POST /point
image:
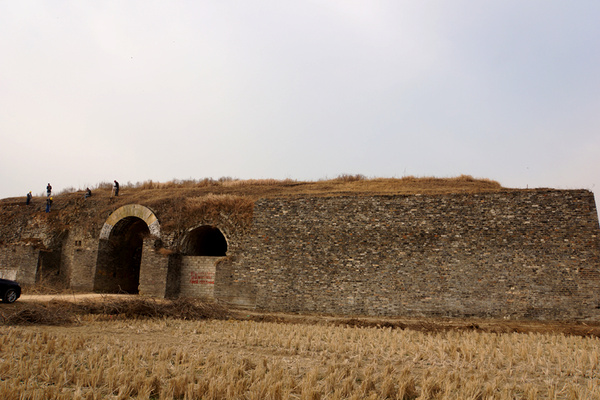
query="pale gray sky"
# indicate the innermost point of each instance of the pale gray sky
(92, 91)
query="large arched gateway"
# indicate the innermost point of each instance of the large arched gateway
(120, 248)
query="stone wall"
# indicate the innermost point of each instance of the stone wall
(20, 262)
(519, 254)
(79, 257)
(154, 270)
(30, 250)
(198, 276)
(532, 254)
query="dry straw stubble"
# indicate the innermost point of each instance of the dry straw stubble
(214, 359)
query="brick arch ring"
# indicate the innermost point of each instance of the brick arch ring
(131, 210)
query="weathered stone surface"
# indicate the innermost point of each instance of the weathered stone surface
(532, 254)
(19, 262)
(131, 210)
(78, 260)
(519, 254)
(198, 276)
(154, 270)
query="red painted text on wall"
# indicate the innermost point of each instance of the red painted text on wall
(202, 278)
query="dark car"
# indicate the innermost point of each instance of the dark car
(10, 291)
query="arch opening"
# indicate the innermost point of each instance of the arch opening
(204, 241)
(119, 270)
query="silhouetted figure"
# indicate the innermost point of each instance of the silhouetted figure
(116, 188)
(48, 190)
(88, 193)
(28, 198)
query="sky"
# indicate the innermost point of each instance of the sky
(92, 91)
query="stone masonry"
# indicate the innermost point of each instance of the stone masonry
(20, 262)
(526, 254)
(515, 254)
(198, 276)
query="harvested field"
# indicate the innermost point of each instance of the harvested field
(107, 351)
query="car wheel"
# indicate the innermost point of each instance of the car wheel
(10, 296)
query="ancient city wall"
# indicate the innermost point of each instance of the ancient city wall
(518, 254)
(198, 276)
(532, 254)
(78, 260)
(19, 262)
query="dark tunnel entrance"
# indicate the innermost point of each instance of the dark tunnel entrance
(205, 241)
(118, 269)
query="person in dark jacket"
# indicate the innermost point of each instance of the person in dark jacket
(28, 198)
(48, 204)
(116, 188)
(48, 190)
(88, 193)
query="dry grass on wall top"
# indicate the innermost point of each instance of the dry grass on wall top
(260, 188)
(173, 199)
(211, 209)
(214, 204)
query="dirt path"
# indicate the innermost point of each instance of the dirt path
(74, 297)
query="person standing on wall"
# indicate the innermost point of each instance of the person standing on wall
(116, 188)
(48, 190)
(48, 204)
(28, 198)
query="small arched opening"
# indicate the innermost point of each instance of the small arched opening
(204, 240)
